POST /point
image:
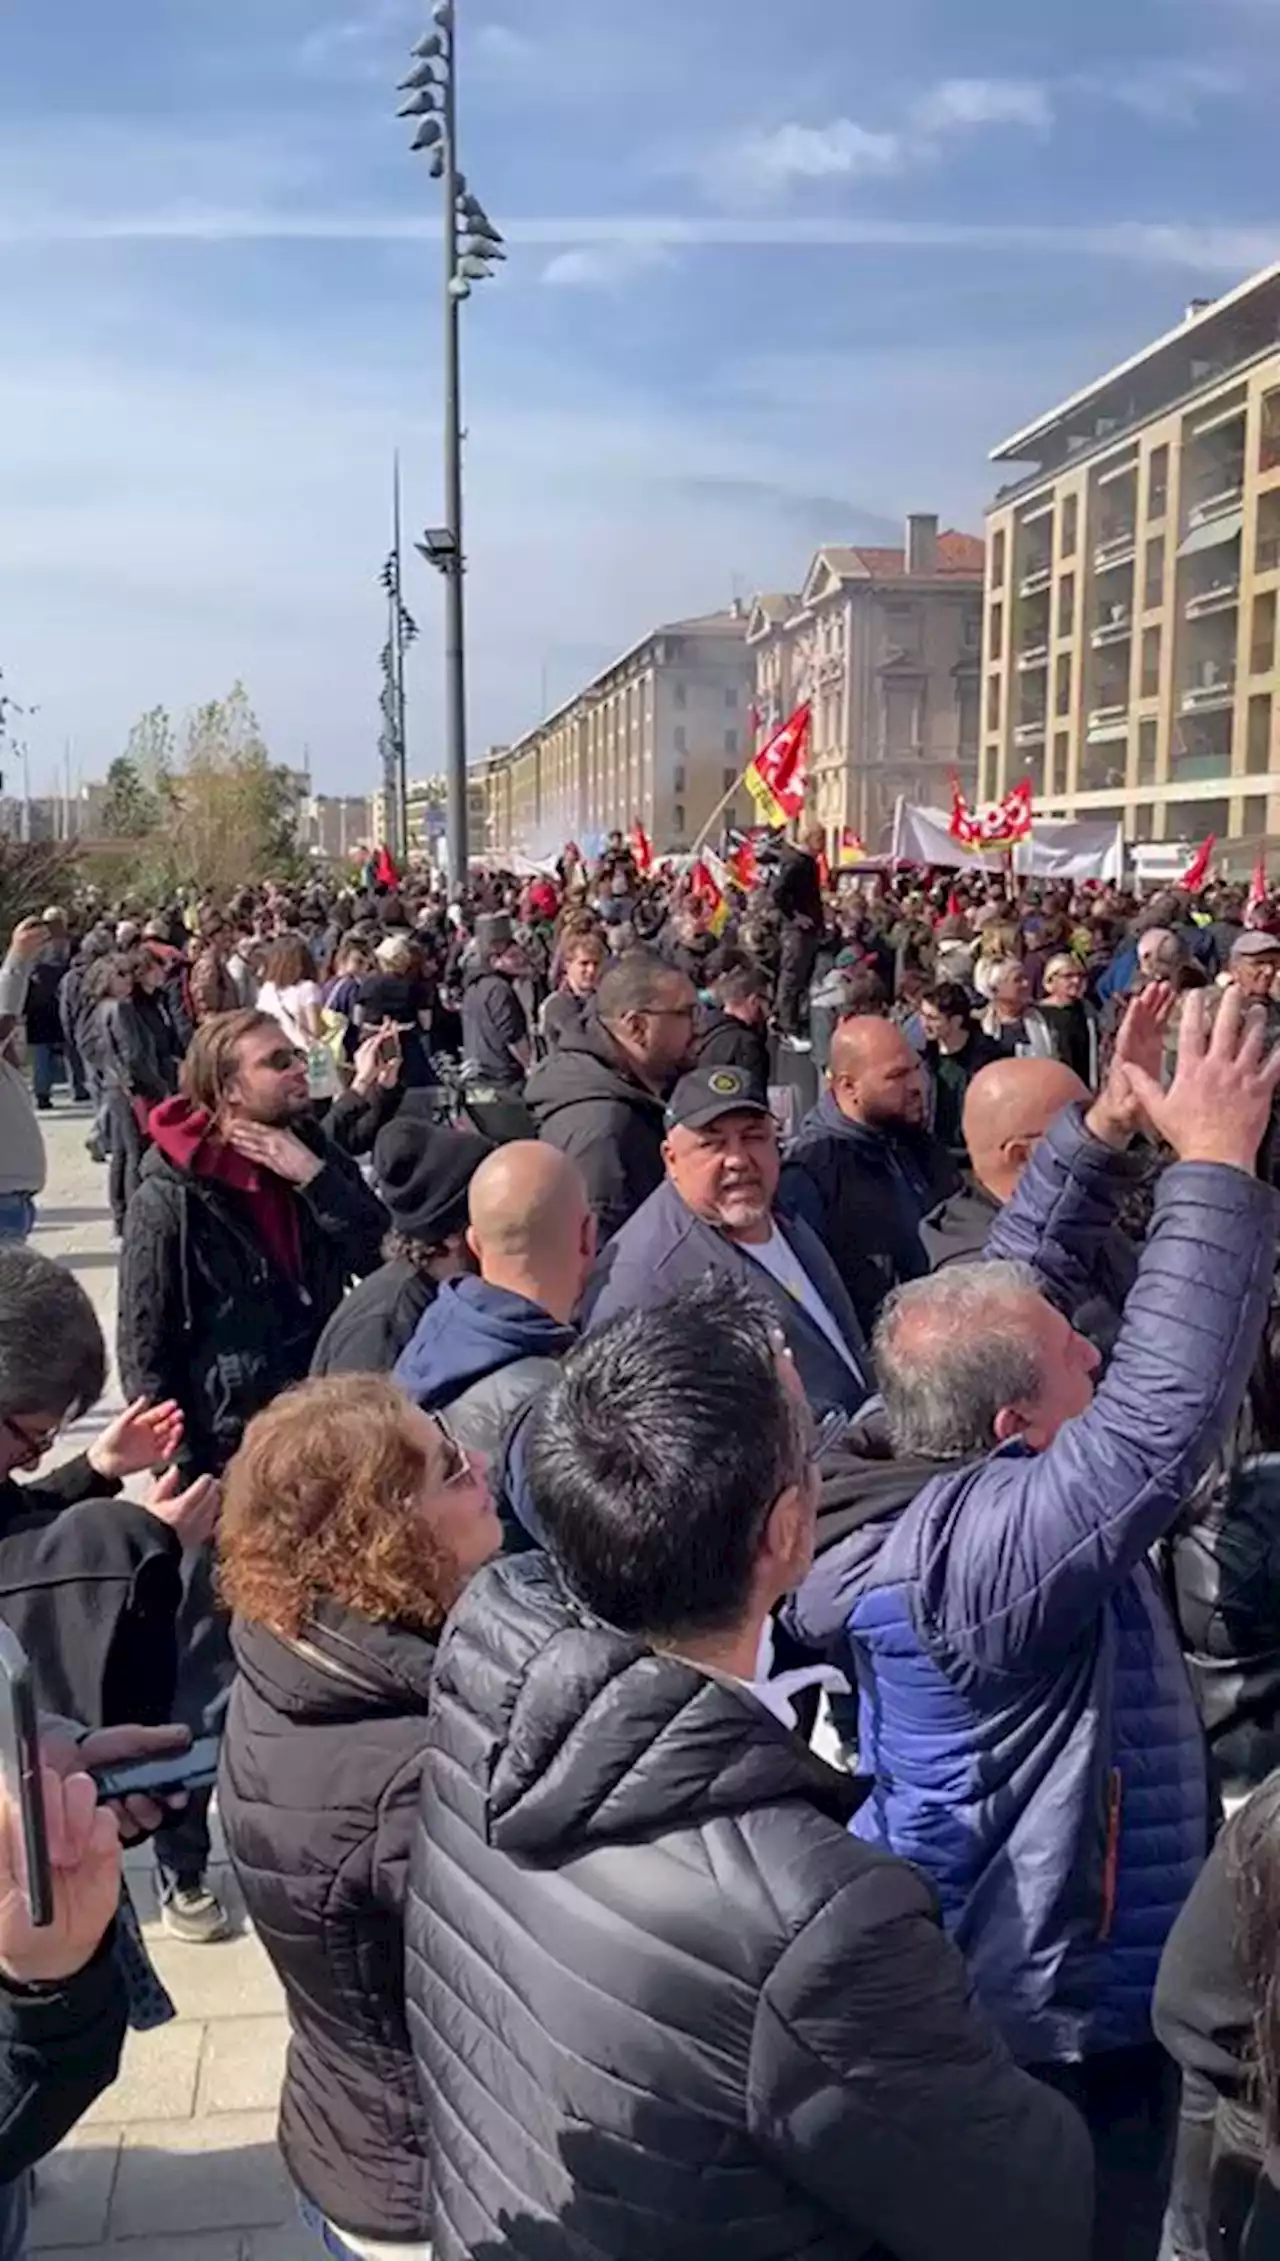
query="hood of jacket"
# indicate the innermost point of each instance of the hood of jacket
(342, 1666)
(472, 1330)
(864, 1490)
(958, 1229)
(590, 1736)
(587, 1065)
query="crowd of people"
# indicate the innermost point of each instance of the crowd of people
(711, 1458)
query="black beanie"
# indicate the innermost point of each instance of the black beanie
(423, 1172)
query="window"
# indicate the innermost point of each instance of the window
(1269, 448)
(680, 694)
(997, 631)
(1262, 652)
(1146, 753)
(998, 552)
(1070, 526)
(1062, 696)
(678, 781)
(1258, 749)
(1254, 810)
(731, 741)
(1150, 663)
(729, 778)
(1067, 605)
(731, 695)
(677, 819)
(971, 632)
(1144, 817)
(680, 741)
(1153, 581)
(1158, 483)
(993, 702)
(1269, 532)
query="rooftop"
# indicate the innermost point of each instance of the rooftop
(959, 555)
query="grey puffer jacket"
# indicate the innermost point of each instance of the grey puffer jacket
(664, 2007)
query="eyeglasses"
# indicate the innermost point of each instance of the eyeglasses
(669, 1012)
(31, 1448)
(280, 1062)
(830, 1434)
(455, 1460)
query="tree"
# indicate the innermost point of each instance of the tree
(33, 874)
(152, 749)
(233, 806)
(131, 809)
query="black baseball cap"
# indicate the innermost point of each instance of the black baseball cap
(707, 1093)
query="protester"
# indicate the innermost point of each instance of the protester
(212, 986)
(955, 1050)
(247, 1224)
(1013, 1024)
(1217, 2012)
(1025, 1707)
(495, 1026)
(733, 1030)
(138, 1059)
(697, 2017)
(43, 1022)
(1072, 1022)
(422, 1174)
(599, 1097)
(290, 993)
(351, 1524)
(22, 1158)
(490, 1342)
(398, 997)
(582, 960)
(716, 1213)
(864, 1170)
(797, 895)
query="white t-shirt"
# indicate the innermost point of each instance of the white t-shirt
(287, 1005)
(779, 1259)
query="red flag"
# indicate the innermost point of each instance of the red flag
(955, 908)
(1197, 871)
(777, 778)
(1258, 889)
(708, 893)
(744, 863)
(853, 848)
(385, 873)
(824, 870)
(993, 824)
(641, 848)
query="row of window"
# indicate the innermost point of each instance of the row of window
(680, 695)
(1200, 750)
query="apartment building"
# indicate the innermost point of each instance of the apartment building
(335, 826)
(887, 645)
(1129, 649)
(662, 733)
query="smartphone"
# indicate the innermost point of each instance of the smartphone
(389, 1048)
(20, 1767)
(193, 1769)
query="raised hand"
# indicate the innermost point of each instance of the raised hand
(1117, 1114)
(141, 1437)
(29, 936)
(1219, 1103)
(276, 1149)
(191, 1514)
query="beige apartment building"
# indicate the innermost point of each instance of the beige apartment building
(887, 645)
(1133, 572)
(662, 733)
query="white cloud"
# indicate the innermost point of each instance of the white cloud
(840, 151)
(605, 267)
(960, 105)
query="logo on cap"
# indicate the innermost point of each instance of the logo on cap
(725, 1083)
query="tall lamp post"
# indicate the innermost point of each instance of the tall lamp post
(472, 246)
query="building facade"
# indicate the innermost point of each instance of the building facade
(662, 733)
(1129, 647)
(887, 645)
(338, 825)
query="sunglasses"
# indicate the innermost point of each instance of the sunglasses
(280, 1062)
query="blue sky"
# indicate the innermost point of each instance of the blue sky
(779, 273)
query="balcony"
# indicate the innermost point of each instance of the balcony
(1115, 627)
(1214, 687)
(1038, 577)
(1221, 596)
(1032, 731)
(1227, 493)
(1118, 548)
(1032, 657)
(1110, 716)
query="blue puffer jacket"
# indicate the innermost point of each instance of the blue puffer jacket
(1023, 1702)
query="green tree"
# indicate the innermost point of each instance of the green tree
(131, 809)
(153, 750)
(233, 806)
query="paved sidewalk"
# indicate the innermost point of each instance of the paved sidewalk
(178, 2161)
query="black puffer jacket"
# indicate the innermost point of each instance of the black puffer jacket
(375, 1322)
(206, 1317)
(585, 1100)
(664, 2007)
(318, 1794)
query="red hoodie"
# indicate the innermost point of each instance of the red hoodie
(186, 1137)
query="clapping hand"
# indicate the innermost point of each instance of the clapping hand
(141, 1437)
(1118, 1114)
(190, 1513)
(1219, 1103)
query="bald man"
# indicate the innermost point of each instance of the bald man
(1008, 1108)
(864, 1169)
(491, 1341)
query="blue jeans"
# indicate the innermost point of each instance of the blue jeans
(17, 1222)
(46, 1069)
(15, 2216)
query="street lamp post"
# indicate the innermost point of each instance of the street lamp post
(472, 246)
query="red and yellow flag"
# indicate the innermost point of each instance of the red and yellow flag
(778, 776)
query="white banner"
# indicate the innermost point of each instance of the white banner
(1054, 851)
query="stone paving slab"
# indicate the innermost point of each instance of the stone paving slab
(241, 2065)
(73, 2190)
(158, 2074)
(223, 2172)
